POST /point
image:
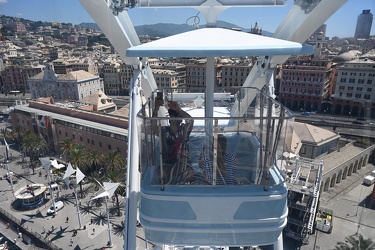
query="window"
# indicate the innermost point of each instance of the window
(66, 134)
(351, 80)
(100, 144)
(80, 138)
(109, 147)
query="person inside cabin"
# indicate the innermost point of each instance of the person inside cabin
(175, 136)
(226, 164)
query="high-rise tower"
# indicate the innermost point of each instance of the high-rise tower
(364, 23)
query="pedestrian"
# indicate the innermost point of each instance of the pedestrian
(15, 241)
(8, 225)
(71, 242)
(93, 231)
(19, 235)
(67, 219)
(53, 228)
(44, 230)
(60, 228)
(91, 221)
(40, 173)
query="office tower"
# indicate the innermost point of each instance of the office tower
(364, 23)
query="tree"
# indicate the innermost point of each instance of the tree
(5, 133)
(356, 242)
(34, 146)
(114, 160)
(78, 157)
(95, 158)
(117, 176)
(18, 132)
(66, 147)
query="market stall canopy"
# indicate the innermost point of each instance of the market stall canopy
(218, 42)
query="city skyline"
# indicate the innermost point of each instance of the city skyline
(341, 24)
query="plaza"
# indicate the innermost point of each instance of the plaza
(56, 229)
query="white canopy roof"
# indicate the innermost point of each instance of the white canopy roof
(218, 42)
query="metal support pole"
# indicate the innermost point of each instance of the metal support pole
(132, 187)
(7, 166)
(109, 226)
(78, 212)
(51, 192)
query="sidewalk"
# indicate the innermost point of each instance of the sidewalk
(95, 236)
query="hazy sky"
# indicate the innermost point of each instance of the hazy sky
(341, 24)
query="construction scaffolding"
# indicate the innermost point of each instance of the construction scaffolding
(304, 185)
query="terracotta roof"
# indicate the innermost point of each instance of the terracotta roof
(310, 133)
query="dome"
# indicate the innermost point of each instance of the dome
(347, 56)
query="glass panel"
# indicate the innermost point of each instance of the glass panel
(221, 150)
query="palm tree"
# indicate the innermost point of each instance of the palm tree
(114, 160)
(34, 145)
(356, 242)
(66, 147)
(95, 158)
(5, 133)
(118, 177)
(18, 132)
(78, 157)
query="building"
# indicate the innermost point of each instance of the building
(74, 85)
(364, 23)
(196, 75)
(57, 121)
(355, 88)
(234, 75)
(306, 82)
(165, 79)
(111, 77)
(315, 141)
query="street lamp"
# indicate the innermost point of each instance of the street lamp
(109, 190)
(46, 163)
(6, 153)
(79, 177)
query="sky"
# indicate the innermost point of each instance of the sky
(341, 24)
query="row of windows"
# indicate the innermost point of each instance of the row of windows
(92, 130)
(358, 88)
(303, 91)
(359, 74)
(301, 74)
(359, 96)
(352, 80)
(91, 141)
(312, 79)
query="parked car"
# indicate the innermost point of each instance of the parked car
(358, 122)
(58, 206)
(306, 113)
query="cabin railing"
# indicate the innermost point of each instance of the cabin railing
(254, 142)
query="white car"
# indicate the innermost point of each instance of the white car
(58, 206)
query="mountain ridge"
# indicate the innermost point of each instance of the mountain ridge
(168, 29)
